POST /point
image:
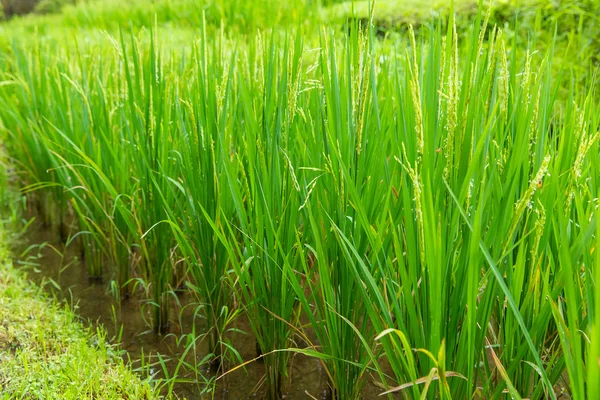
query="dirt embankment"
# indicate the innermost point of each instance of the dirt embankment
(18, 7)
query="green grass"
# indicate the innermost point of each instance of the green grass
(418, 210)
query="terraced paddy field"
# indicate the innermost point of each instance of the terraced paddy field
(308, 199)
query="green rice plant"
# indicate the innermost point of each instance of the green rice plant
(34, 79)
(593, 346)
(149, 108)
(480, 195)
(201, 180)
(90, 170)
(337, 170)
(530, 119)
(262, 240)
(68, 144)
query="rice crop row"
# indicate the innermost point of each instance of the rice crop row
(421, 212)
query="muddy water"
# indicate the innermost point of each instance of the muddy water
(46, 258)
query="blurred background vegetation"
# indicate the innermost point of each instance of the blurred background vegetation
(573, 26)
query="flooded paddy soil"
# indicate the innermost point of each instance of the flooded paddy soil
(62, 271)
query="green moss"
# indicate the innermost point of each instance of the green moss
(46, 353)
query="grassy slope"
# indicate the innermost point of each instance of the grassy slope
(46, 353)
